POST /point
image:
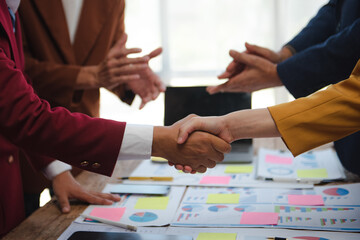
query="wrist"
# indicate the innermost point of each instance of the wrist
(162, 137)
(286, 52)
(276, 81)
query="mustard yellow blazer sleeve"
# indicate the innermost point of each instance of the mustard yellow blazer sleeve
(320, 118)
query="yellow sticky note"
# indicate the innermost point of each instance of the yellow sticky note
(239, 169)
(223, 198)
(152, 203)
(312, 173)
(216, 236)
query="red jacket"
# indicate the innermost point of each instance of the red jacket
(29, 123)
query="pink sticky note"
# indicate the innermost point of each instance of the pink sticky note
(311, 200)
(215, 180)
(112, 214)
(278, 160)
(259, 218)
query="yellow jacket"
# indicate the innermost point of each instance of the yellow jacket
(322, 117)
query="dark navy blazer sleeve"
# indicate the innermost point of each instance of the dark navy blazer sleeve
(322, 64)
(322, 26)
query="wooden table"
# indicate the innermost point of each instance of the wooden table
(49, 223)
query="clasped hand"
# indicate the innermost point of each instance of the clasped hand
(200, 151)
(135, 73)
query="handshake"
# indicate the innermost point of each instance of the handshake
(191, 150)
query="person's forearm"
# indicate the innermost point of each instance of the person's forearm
(255, 123)
(161, 137)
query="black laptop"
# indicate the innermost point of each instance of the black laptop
(182, 101)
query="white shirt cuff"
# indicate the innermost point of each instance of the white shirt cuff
(137, 142)
(55, 168)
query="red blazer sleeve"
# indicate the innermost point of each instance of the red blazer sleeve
(31, 124)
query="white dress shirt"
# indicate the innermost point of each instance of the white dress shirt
(137, 140)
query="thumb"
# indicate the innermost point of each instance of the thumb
(186, 129)
(122, 41)
(216, 89)
(64, 203)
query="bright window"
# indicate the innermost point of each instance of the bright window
(196, 36)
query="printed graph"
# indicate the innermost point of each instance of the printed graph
(192, 208)
(289, 209)
(143, 217)
(218, 208)
(336, 191)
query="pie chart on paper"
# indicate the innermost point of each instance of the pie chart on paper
(336, 191)
(218, 208)
(143, 217)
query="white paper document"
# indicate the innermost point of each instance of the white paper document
(137, 210)
(316, 166)
(224, 175)
(228, 207)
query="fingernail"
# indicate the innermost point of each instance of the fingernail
(65, 209)
(180, 139)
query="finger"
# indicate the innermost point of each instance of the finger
(117, 53)
(155, 53)
(117, 48)
(122, 40)
(187, 128)
(260, 51)
(170, 164)
(63, 202)
(124, 79)
(179, 167)
(185, 170)
(130, 68)
(93, 199)
(160, 85)
(201, 169)
(230, 70)
(216, 89)
(118, 62)
(193, 172)
(142, 105)
(108, 196)
(247, 59)
(144, 100)
(220, 145)
(188, 169)
(213, 156)
(212, 164)
(224, 75)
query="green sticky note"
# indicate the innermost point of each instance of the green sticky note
(152, 203)
(216, 236)
(312, 173)
(223, 198)
(239, 169)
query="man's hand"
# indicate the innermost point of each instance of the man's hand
(66, 187)
(200, 151)
(235, 68)
(257, 73)
(148, 86)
